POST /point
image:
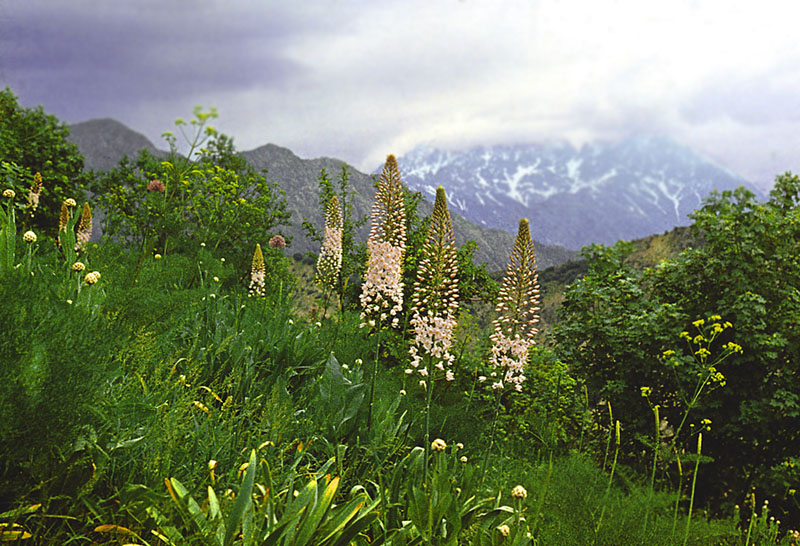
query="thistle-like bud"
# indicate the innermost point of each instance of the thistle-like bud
(258, 273)
(382, 292)
(329, 262)
(277, 241)
(84, 228)
(518, 306)
(435, 300)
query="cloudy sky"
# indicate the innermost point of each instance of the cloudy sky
(357, 79)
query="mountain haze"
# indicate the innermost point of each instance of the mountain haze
(104, 142)
(600, 193)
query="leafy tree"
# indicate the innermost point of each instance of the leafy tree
(211, 197)
(621, 329)
(32, 141)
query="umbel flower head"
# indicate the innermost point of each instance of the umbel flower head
(84, 228)
(435, 300)
(382, 292)
(329, 262)
(277, 241)
(517, 306)
(156, 186)
(258, 273)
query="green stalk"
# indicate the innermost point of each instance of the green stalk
(655, 460)
(694, 481)
(374, 378)
(610, 481)
(491, 438)
(429, 392)
(677, 497)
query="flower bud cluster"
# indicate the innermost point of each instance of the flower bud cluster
(84, 228)
(435, 300)
(382, 291)
(257, 273)
(517, 305)
(329, 262)
(92, 278)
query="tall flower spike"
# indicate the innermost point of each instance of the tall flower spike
(518, 307)
(84, 228)
(435, 300)
(329, 262)
(382, 292)
(63, 221)
(34, 193)
(257, 273)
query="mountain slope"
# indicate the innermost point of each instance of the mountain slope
(104, 142)
(600, 193)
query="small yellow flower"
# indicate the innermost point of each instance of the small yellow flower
(92, 278)
(78, 266)
(9, 193)
(438, 445)
(698, 323)
(29, 237)
(157, 256)
(463, 459)
(519, 492)
(70, 202)
(645, 391)
(505, 530)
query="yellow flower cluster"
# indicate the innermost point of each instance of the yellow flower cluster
(92, 278)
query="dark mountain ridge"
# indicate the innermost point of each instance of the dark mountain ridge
(104, 142)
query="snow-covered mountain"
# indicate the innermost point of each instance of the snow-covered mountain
(599, 193)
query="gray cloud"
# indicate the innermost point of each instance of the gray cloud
(357, 79)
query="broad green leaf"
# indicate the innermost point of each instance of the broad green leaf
(244, 497)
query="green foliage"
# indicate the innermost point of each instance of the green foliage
(34, 142)
(617, 323)
(215, 199)
(48, 383)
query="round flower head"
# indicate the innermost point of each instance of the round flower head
(29, 237)
(70, 202)
(9, 193)
(277, 241)
(78, 266)
(519, 492)
(92, 278)
(156, 186)
(157, 257)
(505, 530)
(438, 445)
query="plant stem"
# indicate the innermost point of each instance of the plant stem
(374, 377)
(694, 481)
(491, 437)
(429, 393)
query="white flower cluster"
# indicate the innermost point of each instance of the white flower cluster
(382, 291)
(329, 262)
(434, 336)
(258, 273)
(510, 354)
